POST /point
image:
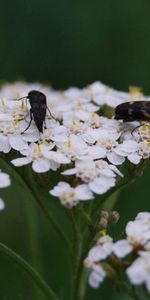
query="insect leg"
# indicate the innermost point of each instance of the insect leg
(50, 113)
(29, 122)
(24, 118)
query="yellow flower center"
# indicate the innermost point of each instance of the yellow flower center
(135, 90)
(69, 144)
(74, 122)
(3, 103)
(79, 105)
(22, 104)
(15, 120)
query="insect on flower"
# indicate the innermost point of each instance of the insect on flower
(133, 111)
(38, 108)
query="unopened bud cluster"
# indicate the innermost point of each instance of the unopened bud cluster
(107, 218)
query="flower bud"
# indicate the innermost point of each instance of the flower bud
(103, 223)
(104, 214)
(114, 216)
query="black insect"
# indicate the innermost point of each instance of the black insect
(38, 109)
(133, 111)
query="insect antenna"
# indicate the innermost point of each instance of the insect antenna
(19, 98)
(138, 127)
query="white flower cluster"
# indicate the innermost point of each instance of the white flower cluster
(137, 244)
(78, 136)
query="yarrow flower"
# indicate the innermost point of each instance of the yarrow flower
(108, 255)
(78, 138)
(70, 196)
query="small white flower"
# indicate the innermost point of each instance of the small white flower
(70, 196)
(109, 143)
(99, 252)
(129, 149)
(54, 132)
(102, 250)
(86, 170)
(75, 126)
(74, 147)
(97, 276)
(139, 272)
(35, 154)
(101, 184)
(138, 233)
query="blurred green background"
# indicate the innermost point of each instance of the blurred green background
(67, 43)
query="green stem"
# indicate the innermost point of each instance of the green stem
(82, 284)
(76, 251)
(132, 292)
(41, 284)
(88, 221)
(51, 220)
(35, 253)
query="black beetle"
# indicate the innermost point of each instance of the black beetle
(38, 108)
(133, 111)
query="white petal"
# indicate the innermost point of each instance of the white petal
(4, 144)
(31, 136)
(143, 216)
(148, 283)
(134, 158)
(122, 248)
(99, 252)
(54, 165)
(69, 171)
(2, 204)
(57, 157)
(60, 188)
(136, 272)
(22, 161)
(130, 146)
(41, 165)
(126, 148)
(102, 184)
(96, 277)
(60, 137)
(88, 138)
(96, 152)
(114, 168)
(107, 172)
(115, 158)
(5, 117)
(17, 142)
(84, 192)
(4, 180)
